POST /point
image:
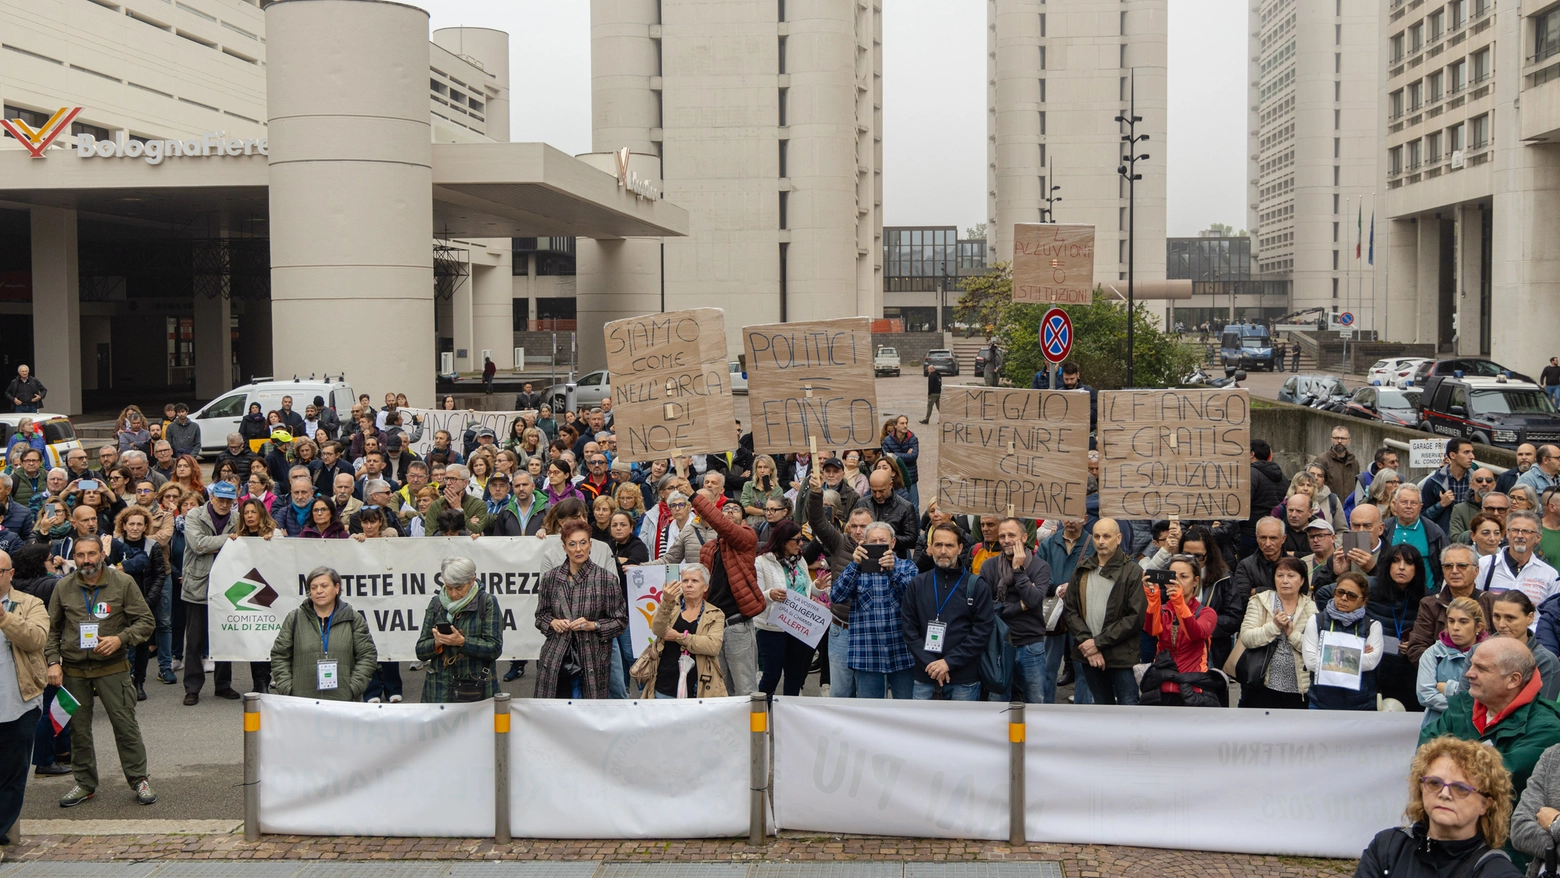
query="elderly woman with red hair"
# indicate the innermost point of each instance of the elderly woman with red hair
(580, 610)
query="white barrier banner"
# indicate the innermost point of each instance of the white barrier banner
(455, 423)
(343, 768)
(1315, 783)
(922, 769)
(662, 768)
(255, 583)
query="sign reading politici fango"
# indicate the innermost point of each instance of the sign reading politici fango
(154, 152)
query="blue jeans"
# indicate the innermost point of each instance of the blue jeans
(951, 692)
(24, 408)
(48, 747)
(842, 679)
(1110, 685)
(164, 634)
(1034, 666)
(871, 685)
(1554, 394)
(622, 659)
(385, 682)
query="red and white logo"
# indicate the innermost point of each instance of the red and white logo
(36, 141)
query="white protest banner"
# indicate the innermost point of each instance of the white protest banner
(657, 768)
(255, 582)
(345, 768)
(1426, 453)
(811, 383)
(802, 617)
(669, 384)
(1313, 783)
(1053, 262)
(1173, 452)
(455, 423)
(1013, 452)
(643, 586)
(922, 769)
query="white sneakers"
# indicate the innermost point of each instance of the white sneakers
(395, 699)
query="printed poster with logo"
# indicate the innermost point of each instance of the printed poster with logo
(255, 583)
(643, 587)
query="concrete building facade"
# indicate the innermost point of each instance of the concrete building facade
(763, 118)
(1315, 147)
(1059, 73)
(306, 234)
(1472, 167)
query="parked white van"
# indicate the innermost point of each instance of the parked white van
(222, 415)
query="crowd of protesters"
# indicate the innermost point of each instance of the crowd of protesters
(1347, 587)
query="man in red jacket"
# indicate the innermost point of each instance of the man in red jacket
(733, 587)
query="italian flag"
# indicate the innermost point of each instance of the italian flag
(63, 708)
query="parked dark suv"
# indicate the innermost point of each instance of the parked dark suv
(940, 360)
(1494, 411)
(1430, 372)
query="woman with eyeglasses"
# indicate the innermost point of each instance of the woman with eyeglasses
(580, 610)
(1383, 488)
(1459, 813)
(764, 486)
(1523, 498)
(1344, 613)
(1273, 632)
(259, 488)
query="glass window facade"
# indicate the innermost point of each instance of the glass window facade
(918, 259)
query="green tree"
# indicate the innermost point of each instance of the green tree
(1099, 336)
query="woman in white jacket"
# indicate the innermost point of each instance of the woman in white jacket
(1283, 615)
(1344, 614)
(781, 568)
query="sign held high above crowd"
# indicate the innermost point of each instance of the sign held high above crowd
(1175, 454)
(1053, 263)
(1013, 452)
(811, 383)
(669, 384)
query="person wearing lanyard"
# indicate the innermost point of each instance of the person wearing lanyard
(947, 616)
(323, 649)
(95, 613)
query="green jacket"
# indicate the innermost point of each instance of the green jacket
(471, 507)
(482, 624)
(129, 619)
(299, 647)
(1121, 638)
(1521, 737)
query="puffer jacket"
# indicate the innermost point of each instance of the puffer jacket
(1182, 629)
(300, 645)
(148, 566)
(737, 546)
(908, 452)
(1443, 662)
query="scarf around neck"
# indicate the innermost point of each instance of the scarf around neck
(451, 607)
(1346, 618)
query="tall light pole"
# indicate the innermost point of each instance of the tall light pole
(1048, 194)
(1128, 171)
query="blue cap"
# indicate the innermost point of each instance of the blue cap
(224, 491)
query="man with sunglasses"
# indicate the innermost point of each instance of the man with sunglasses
(1501, 707)
(1480, 485)
(1459, 569)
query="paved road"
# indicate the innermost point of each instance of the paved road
(52, 869)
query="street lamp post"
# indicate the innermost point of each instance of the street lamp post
(1048, 213)
(1128, 171)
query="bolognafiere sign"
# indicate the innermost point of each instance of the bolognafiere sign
(1182, 453)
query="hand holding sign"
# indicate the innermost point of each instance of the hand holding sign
(669, 384)
(811, 382)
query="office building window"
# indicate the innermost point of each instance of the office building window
(1433, 147)
(784, 280)
(784, 204)
(782, 122)
(782, 55)
(1479, 131)
(1413, 152)
(784, 148)
(1546, 35)
(1454, 138)
(1433, 87)
(1481, 66)
(1395, 160)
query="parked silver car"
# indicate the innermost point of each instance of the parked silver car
(589, 391)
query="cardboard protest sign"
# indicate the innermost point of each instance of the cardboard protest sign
(1027, 450)
(669, 384)
(1053, 263)
(811, 380)
(1175, 454)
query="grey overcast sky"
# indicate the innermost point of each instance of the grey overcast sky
(934, 100)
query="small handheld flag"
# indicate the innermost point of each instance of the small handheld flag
(63, 708)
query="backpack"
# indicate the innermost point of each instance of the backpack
(996, 662)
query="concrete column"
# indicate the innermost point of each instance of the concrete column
(623, 60)
(492, 310)
(460, 308)
(617, 279)
(351, 193)
(1526, 255)
(56, 303)
(213, 346)
(1017, 122)
(1402, 299)
(1428, 290)
(1470, 228)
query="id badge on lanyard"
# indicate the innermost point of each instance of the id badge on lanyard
(325, 670)
(937, 629)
